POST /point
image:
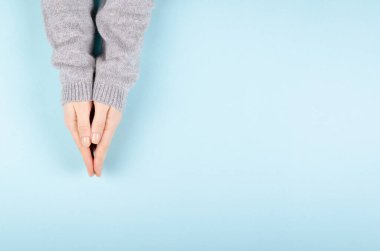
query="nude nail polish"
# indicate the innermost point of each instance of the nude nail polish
(95, 137)
(86, 141)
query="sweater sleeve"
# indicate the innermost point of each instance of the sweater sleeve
(70, 30)
(121, 24)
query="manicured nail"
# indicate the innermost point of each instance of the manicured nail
(86, 141)
(95, 138)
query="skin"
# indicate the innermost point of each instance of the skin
(99, 132)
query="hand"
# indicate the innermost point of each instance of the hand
(105, 122)
(77, 120)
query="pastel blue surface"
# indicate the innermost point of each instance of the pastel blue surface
(255, 125)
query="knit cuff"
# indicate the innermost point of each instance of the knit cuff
(77, 92)
(110, 94)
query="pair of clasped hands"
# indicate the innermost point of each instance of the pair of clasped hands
(92, 126)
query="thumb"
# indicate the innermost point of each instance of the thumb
(83, 110)
(99, 122)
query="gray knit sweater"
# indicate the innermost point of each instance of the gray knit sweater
(71, 29)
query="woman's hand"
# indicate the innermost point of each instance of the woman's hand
(99, 132)
(105, 122)
(77, 120)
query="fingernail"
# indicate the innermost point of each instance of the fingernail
(95, 138)
(86, 141)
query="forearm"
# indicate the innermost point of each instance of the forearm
(122, 24)
(70, 30)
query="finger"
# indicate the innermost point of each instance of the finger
(85, 152)
(83, 110)
(71, 124)
(112, 123)
(99, 122)
(101, 150)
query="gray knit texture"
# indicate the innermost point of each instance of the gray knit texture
(121, 24)
(70, 30)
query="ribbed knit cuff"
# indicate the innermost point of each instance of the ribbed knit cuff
(109, 94)
(77, 92)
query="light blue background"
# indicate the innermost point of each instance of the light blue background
(255, 125)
